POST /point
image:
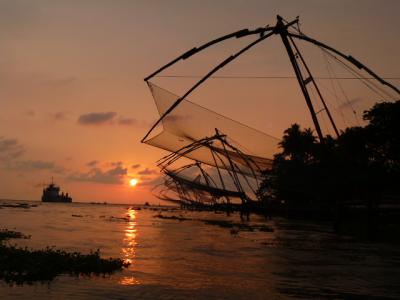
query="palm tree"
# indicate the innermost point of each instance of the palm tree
(298, 145)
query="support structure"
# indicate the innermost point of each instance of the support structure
(282, 31)
(280, 28)
(203, 188)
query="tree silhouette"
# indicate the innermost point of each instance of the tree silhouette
(361, 163)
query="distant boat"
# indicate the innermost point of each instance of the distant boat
(52, 194)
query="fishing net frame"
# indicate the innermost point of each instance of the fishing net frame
(195, 143)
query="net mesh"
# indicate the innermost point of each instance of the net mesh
(200, 187)
(189, 122)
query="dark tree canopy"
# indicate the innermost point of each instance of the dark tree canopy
(360, 159)
(383, 133)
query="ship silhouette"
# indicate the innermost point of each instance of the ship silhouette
(51, 193)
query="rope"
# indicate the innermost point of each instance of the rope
(328, 67)
(348, 102)
(363, 79)
(270, 77)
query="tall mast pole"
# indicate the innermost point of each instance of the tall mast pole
(316, 88)
(281, 29)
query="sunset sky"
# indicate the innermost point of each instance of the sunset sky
(74, 104)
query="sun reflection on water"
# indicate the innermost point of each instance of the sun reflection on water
(129, 246)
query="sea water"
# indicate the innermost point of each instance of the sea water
(190, 259)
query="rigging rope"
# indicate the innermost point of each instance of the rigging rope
(373, 87)
(348, 102)
(270, 77)
(328, 67)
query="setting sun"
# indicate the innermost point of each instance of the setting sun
(133, 182)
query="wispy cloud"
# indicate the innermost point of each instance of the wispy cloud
(92, 163)
(135, 166)
(110, 118)
(10, 148)
(97, 118)
(148, 171)
(350, 104)
(114, 175)
(29, 113)
(61, 82)
(37, 165)
(151, 181)
(116, 163)
(124, 121)
(176, 118)
(127, 121)
(60, 115)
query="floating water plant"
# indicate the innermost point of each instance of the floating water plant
(239, 226)
(178, 218)
(6, 234)
(222, 223)
(23, 265)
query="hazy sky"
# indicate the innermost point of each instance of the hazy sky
(74, 104)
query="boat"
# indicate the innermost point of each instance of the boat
(51, 193)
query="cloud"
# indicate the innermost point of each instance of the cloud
(30, 113)
(114, 175)
(117, 171)
(127, 121)
(146, 181)
(110, 118)
(10, 149)
(136, 166)
(176, 118)
(60, 115)
(61, 82)
(19, 17)
(97, 118)
(36, 165)
(10, 152)
(148, 171)
(349, 104)
(92, 163)
(7, 144)
(124, 121)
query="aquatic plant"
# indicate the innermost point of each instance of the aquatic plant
(221, 223)
(6, 234)
(178, 218)
(239, 226)
(22, 265)
(18, 205)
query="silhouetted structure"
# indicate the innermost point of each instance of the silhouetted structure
(52, 194)
(300, 171)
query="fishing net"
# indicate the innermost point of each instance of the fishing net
(189, 123)
(188, 184)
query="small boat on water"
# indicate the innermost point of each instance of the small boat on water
(51, 193)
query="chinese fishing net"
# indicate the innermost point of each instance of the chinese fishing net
(190, 122)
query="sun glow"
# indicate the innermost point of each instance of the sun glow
(133, 182)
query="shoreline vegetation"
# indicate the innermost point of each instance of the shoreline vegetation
(234, 226)
(26, 266)
(350, 180)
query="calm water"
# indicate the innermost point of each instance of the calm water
(192, 260)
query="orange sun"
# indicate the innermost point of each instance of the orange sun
(133, 182)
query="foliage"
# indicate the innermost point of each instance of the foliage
(23, 265)
(297, 145)
(383, 134)
(361, 161)
(6, 234)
